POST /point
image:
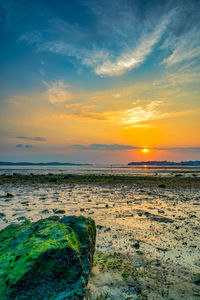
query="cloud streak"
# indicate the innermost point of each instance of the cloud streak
(133, 58)
(104, 147)
(182, 149)
(142, 113)
(188, 73)
(24, 146)
(111, 51)
(184, 48)
(131, 117)
(36, 138)
(58, 92)
(120, 147)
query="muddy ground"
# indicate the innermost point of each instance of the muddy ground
(148, 244)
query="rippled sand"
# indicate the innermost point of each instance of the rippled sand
(156, 230)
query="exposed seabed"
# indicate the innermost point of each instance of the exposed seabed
(147, 228)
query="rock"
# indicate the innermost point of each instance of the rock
(162, 249)
(107, 229)
(26, 203)
(148, 214)
(9, 195)
(136, 245)
(197, 279)
(21, 219)
(161, 219)
(59, 211)
(45, 211)
(49, 259)
(99, 226)
(162, 185)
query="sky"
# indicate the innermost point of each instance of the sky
(97, 81)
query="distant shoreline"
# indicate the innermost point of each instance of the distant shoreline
(140, 163)
(41, 164)
(165, 163)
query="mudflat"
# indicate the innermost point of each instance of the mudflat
(148, 228)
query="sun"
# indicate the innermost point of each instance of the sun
(145, 150)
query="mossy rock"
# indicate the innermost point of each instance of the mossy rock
(48, 259)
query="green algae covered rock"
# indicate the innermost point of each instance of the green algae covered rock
(48, 259)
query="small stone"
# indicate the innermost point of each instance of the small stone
(107, 229)
(136, 245)
(58, 211)
(197, 279)
(9, 195)
(45, 211)
(99, 226)
(162, 186)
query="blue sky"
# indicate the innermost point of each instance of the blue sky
(112, 73)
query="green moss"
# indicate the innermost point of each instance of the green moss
(196, 279)
(102, 297)
(139, 252)
(125, 274)
(103, 179)
(23, 246)
(114, 262)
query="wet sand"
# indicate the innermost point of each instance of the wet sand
(147, 234)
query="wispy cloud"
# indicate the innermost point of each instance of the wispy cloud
(58, 92)
(116, 43)
(104, 147)
(24, 146)
(187, 73)
(183, 48)
(133, 58)
(36, 138)
(117, 95)
(143, 113)
(182, 149)
(119, 147)
(84, 114)
(119, 43)
(34, 37)
(131, 117)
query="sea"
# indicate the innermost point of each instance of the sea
(109, 169)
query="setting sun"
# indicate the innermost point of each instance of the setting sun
(145, 150)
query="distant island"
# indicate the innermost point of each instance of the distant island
(165, 163)
(2, 163)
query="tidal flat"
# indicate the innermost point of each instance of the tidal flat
(148, 228)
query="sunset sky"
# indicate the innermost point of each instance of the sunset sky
(98, 80)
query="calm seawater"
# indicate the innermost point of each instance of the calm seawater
(102, 169)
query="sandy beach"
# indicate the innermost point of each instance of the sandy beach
(147, 234)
